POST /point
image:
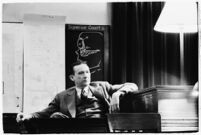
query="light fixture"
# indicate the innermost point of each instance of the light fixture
(178, 17)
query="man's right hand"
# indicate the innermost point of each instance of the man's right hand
(21, 117)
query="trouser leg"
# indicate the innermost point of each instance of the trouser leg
(58, 115)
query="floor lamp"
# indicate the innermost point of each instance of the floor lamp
(178, 17)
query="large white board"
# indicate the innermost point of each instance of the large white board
(44, 60)
(12, 65)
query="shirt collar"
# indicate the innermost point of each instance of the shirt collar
(79, 89)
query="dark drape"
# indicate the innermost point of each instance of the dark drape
(141, 55)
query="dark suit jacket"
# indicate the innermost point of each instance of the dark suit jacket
(64, 101)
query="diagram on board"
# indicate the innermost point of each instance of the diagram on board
(86, 51)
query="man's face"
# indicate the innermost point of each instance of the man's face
(82, 75)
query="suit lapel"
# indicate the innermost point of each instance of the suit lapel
(97, 91)
(71, 101)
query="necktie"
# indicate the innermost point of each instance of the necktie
(84, 94)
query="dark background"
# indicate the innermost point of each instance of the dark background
(136, 53)
(146, 57)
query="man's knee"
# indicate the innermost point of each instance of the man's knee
(58, 115)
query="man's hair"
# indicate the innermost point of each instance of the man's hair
(79, 62)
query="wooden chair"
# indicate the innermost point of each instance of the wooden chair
(134, 122)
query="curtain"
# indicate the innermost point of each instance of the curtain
(141, 55)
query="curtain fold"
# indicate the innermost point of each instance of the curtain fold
(141, 55)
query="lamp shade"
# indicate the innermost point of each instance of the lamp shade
(178, 17)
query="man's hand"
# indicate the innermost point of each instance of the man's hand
(114, 104)
(21, 117)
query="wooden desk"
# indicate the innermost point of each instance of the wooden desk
(75, 125)
(134, 122)
(34, 126)
(129, 122)
(178, 109)
(9, 123)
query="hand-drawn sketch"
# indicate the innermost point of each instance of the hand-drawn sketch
(84, 50)
(87, 43)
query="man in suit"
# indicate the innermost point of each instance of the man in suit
(85, 100)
